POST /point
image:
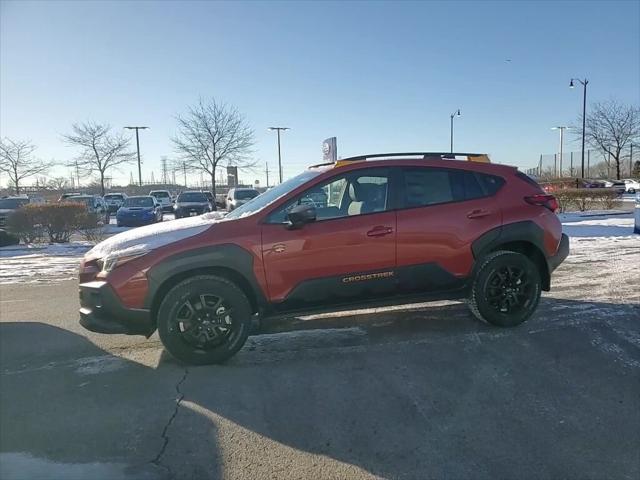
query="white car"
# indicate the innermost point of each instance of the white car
(163, 197)
(114, 201)
(240, 196)
(631, 185)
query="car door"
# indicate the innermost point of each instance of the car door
(347, 253)
(442, 211)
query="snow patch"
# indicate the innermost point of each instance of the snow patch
(154, 236)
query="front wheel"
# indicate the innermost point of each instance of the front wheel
(506, 289)
(204, 320)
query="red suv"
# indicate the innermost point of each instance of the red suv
(366, 231)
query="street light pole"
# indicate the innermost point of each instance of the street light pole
(138, 149)
(278, 129)
(584, 83)
(454, 114)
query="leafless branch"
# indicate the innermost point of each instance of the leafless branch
(211, 134)
(99, 149)
(17, 161)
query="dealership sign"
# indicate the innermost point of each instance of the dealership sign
(330, 150)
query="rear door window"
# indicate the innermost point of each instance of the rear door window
(424, 186)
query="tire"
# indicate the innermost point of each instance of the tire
(194, 341)
(505, 306)
(632, 191)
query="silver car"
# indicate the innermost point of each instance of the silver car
(240, 196)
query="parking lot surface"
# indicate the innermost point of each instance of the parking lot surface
(424, 391)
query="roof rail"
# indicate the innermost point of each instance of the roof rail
(472, 157)
(412, 154)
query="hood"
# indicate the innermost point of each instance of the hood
(153, 236)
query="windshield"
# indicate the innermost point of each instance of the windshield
(270, 196)
(138, 202)
(192, 197)
(160, 194)
(113, 196)
(245, 194)
(10, 203)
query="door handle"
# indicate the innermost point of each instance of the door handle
(379, 231)
(479, 213)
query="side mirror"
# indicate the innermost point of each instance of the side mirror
(300, 215)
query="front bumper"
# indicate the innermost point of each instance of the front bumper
(101, 311)
(563, 252)
(135, 221)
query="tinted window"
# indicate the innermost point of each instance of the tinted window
(196, 197)
(138, 202)
(492, 183)
(355, 193)
(245, 194)
(11, 203)
(431, 186)
(160, 194)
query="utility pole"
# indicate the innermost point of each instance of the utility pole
(184, 172)
(278, 129)
(454, 114)
(138, 149)
(630, 159)
(584, 83)
(266, 171)
(562, 129)
(78, 173)
(165, 178)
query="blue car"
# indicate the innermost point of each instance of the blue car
(141, 210)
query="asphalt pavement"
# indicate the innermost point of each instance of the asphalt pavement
(420, 392)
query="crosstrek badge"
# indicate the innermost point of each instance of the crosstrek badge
(368, 276)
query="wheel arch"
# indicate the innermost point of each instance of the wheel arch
(227, 261)
(526, 238)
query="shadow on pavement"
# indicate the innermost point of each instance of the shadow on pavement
(418, 393)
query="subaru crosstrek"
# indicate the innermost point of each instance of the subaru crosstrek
(367, 231)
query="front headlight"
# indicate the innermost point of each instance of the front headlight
(115, 260)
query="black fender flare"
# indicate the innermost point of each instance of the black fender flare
(226, 257)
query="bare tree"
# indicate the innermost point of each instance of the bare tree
(100, 150)
(210, 133)
(17, 161)
(58, 183)
(610, 128)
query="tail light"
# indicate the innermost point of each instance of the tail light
(547, 201)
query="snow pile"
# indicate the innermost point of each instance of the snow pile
(154, 236)
(577, 225)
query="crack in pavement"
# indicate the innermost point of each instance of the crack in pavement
(157, 460)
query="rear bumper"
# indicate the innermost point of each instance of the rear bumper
(101, 311)
(563, 252)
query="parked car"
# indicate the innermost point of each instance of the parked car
(396, 229)
(189, 204)
(139, 210)
(64, 196)
(164, 199)
(240, 196)
(114, 201)
(10, 204)
(94, 203)
(617, 185)
(631, 185)
(211, 198)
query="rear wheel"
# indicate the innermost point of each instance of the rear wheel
(506, 289)
(204, 320)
